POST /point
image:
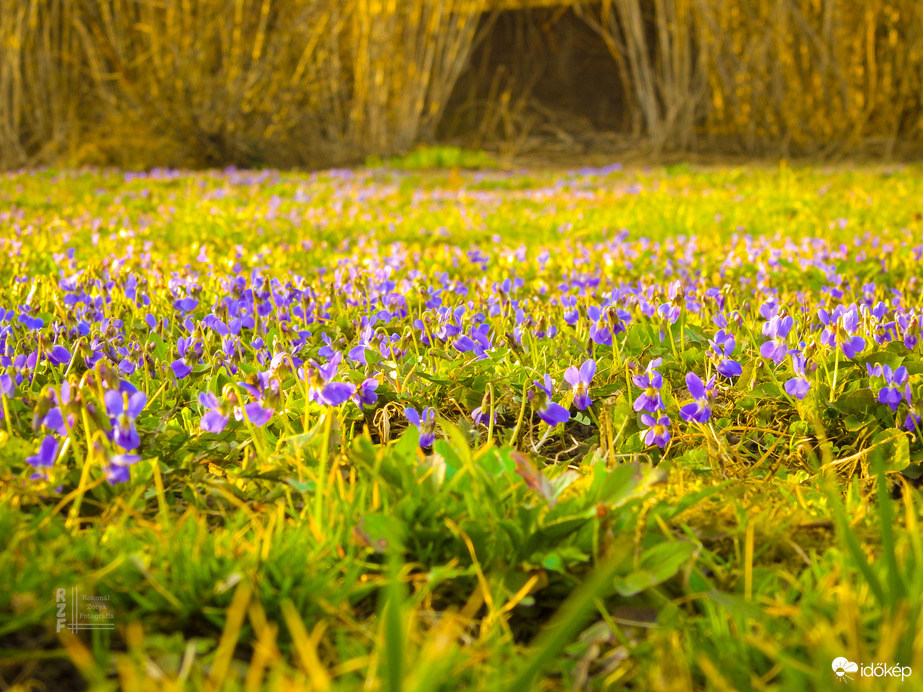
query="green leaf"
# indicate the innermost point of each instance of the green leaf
(497, 462)
(160, 348)
(766, 390)
(895, 448)
(533, 477)
(563, 481)
(855, 422)
(301, 486)
(14, 450)
(450, 461)
(457, 439)
(695, 459)
(879, 356)
(553, 562)
(381, 532)
(743, 382)
(734, 603)
(623, 483)
(690, 500)
(561, 558)
(657, 565)
(856, 402)
(406, 448)
(435, 380)
(559, 529)
(393, 618)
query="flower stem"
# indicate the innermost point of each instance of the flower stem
(322, 468)
(627, 382)
(73, 517)
(6, 415)
(522, 413)
(76, 348)
(416, 346)
(672, 341)
(772, 376)
(836, 369)
(490, 421)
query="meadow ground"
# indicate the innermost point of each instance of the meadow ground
(384, 429)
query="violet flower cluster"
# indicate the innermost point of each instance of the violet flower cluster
(290, 320)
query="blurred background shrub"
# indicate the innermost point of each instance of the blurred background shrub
(141, 83)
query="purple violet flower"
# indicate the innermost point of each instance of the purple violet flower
(722, 346)
(840, 330)
(58, 355)
(658, 431)
(257, 414)
(777, 329)
(331, 393)
(700, 410)
(478, 343)
(54, 419)
(123, 410)
(798, 386)
(327, 351)
(357, 352)
(580, 382)
(118, 470)
(670, 313)
(481, 415)
(599, 326)
(190, 351)
(46, 455)
(891, 395)
(215, 419)
(650, 381)
(546, 409)
(217, 416)
(425, 424)
(365, 394)
(913, 420)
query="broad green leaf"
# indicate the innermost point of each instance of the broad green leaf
(534, 478)
(856, 402)
(380, 532)
(895, 447)
(657, 565)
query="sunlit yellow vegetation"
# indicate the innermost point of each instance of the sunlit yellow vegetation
(311, 82)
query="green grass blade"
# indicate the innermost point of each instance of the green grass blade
(568, 621)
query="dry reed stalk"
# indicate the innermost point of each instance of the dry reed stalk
(656, 57)
(407, 57)
(236, 81)
(305, 82)
(819, 75)
(40, 91)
